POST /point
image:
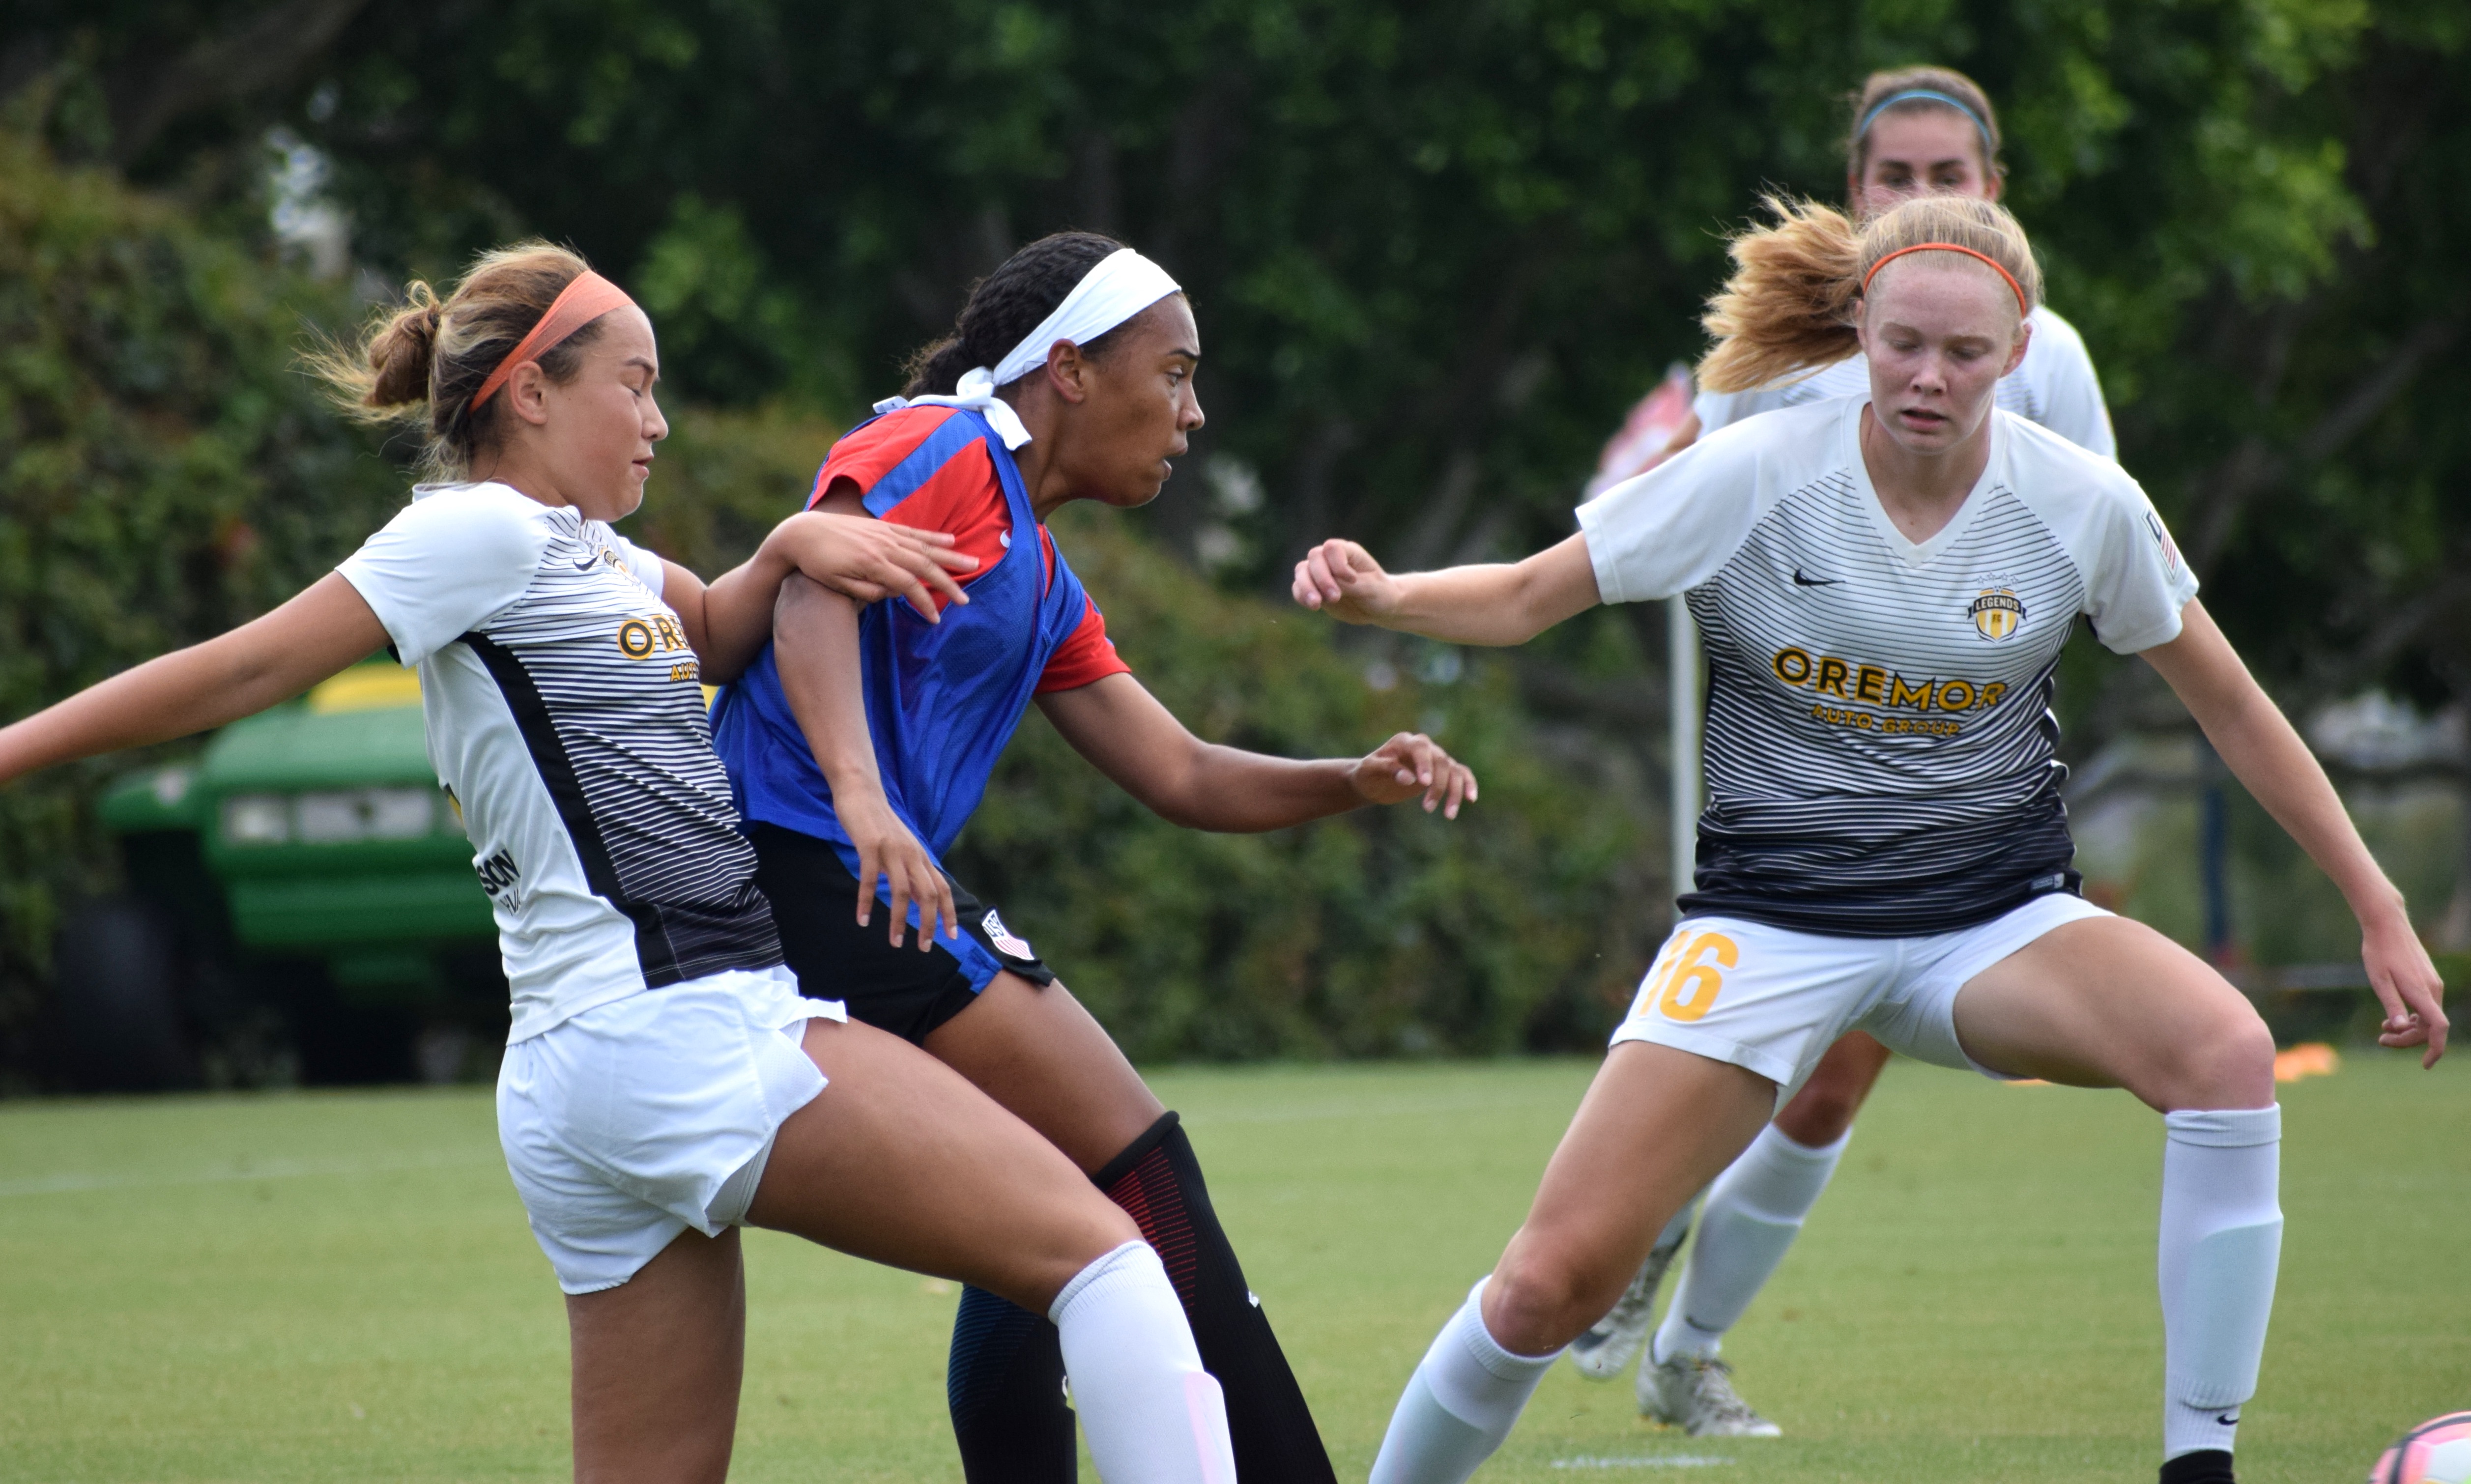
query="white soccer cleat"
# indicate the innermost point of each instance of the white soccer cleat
(1698, 1397)
(1604, 1351)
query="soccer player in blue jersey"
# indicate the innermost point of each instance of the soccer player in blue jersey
(862, 741)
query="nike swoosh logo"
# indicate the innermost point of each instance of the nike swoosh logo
(2229, 1418)
(587, 564)
(1802, 578)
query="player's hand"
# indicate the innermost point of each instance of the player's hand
(1409, 763)
(1342, 579)
(2407, 984)
(887, 851)
(869, 560)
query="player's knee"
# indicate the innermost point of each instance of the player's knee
(1104, 1226)
(1817, 1116)
(1538, 1302)
(2227, 1063)
(1827, 1103)
(1071, 1239)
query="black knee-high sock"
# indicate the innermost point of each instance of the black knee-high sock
(1006, 1374)
(1006, 1386)
(1158, 1180)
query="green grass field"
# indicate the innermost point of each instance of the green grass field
(340, 1286)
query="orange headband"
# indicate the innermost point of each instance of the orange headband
(1949, 247)
(580, 302)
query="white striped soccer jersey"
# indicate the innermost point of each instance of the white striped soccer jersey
(1880, 748)
(566, 718)
(2054, 386)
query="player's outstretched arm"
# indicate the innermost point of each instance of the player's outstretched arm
(2263, 750)
(729, 620)
(1495, 603)
(323, 630)
(1120, 727)
(816, 648)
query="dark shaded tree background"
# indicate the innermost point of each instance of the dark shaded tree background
(1436, 251)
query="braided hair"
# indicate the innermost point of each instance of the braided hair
(1005, 306)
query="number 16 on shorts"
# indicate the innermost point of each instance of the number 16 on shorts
(1687, 977)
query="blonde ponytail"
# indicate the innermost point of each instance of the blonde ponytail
(1787, 310)
(1791, 305)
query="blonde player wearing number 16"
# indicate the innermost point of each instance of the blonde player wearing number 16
(1885, 582)
(1913, 132)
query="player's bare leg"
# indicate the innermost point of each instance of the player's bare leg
(1816, 1118)
(1655, 1124)
(1823, 1111)
(657, 1363)
(1047, 1060)
(1750, 1221)
(2110, 1003)
(898, 1159)
(1038, 1053)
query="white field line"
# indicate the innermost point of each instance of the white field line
(1652, 1461)
(68, 1183)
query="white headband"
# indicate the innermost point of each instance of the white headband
(1121, 285)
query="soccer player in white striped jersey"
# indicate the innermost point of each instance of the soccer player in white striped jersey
(1915, 132)
(1885, 582)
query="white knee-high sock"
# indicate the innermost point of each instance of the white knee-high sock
(1679, 1226)
(1459, 1404)
(1753, 1212)
(2221, 1242)
(1151, 1413)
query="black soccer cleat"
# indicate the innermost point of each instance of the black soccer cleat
(2205, 1466)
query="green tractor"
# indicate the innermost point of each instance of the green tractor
(301, 906)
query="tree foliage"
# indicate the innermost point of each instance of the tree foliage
(1437, 249)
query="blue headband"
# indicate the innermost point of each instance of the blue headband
(1924, 95)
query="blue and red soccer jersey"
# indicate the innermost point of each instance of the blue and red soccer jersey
(942, 699)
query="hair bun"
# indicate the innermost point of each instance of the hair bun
(400, 354)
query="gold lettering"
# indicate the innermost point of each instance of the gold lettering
(1870, 683)
(635, 638)
(1791, 665)
(1991, 693)
(1956, 696)
(1917, 696)
(1832, 673)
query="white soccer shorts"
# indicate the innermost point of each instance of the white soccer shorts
(639, 1119)
(1772, 1000)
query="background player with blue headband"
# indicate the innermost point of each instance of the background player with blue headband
(862, 741)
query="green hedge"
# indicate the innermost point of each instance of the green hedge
(164, 474)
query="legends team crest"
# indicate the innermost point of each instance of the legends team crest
(1998, 613)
